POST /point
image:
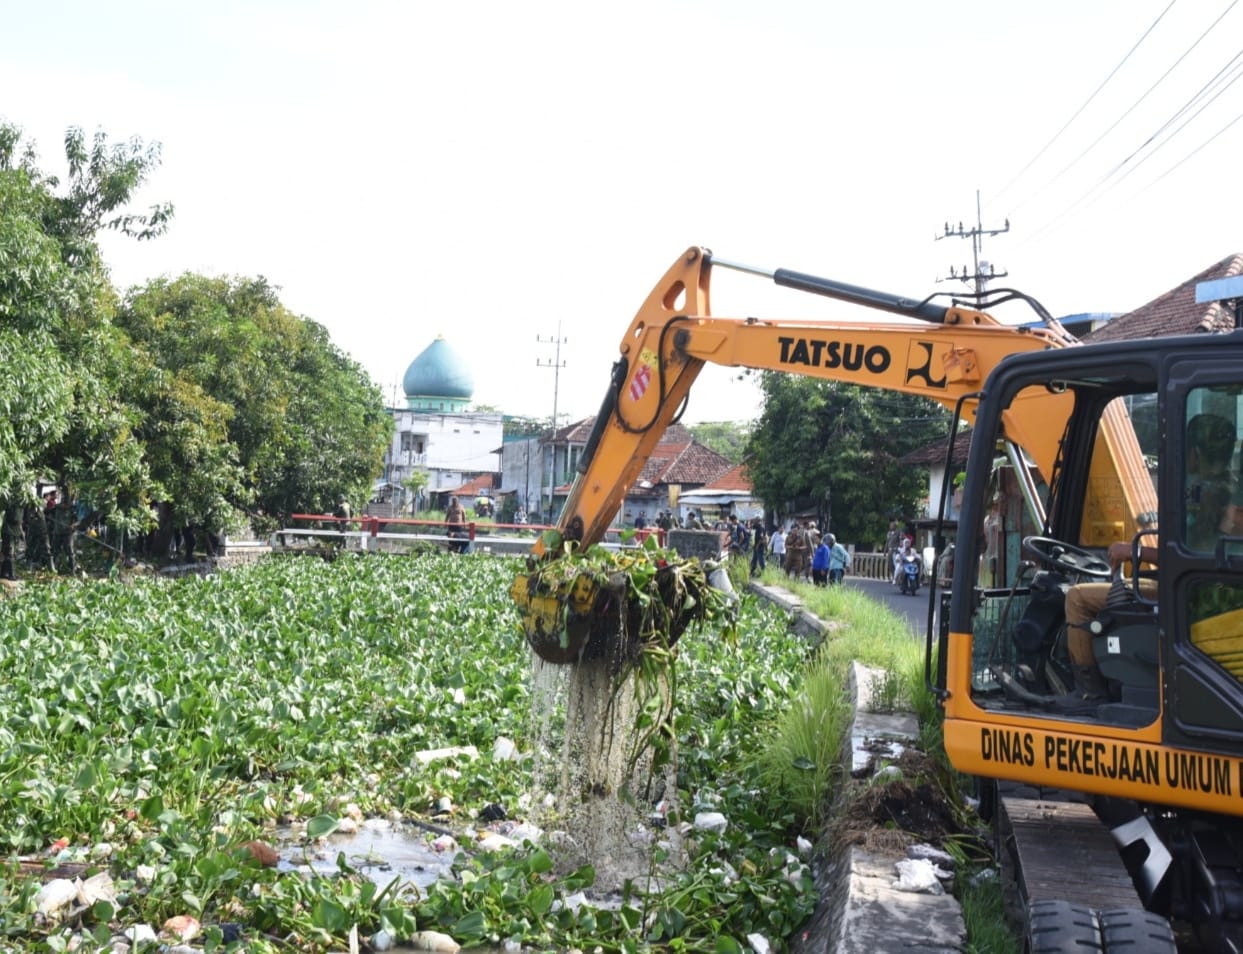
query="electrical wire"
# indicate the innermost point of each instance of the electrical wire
(1085, 105)
(1236, 65)
(1114, 125)
(1225, 77)
(1192, 153)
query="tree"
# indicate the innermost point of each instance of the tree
(527, 426)
(727, 438)
(194, 475)
(197, 397)
(305, 423)
(337, 414)
(102, 180)
(833, 449)
(35, 289)
(55, 302)
(415, 483)
(61, 289)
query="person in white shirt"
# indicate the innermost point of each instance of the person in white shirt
(777, 544)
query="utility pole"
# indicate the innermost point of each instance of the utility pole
(981, 272)
(556, 364)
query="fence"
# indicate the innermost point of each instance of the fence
(377, 533)
(872, 566)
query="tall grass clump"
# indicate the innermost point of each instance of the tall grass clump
(799, 763)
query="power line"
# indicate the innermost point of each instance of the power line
(1194, 151)
(1198, 98)
(1086, 103)
(1114, 125)
(1234, 65)
(1192, 108)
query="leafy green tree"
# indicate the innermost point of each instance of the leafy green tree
(192, 399)
(102, 179)
(53, 301)
(54, 289)
(727, 438)
(339, 424)
(834, 449)
(527, 426)
(415, 483)
(306, 424)
(195, 478)
(35, 289)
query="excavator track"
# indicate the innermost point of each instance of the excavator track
(1077, 893)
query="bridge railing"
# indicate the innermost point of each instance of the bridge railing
(375, 533)
(872, 566)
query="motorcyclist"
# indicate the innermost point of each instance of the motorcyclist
(906, 546)
(908, 555)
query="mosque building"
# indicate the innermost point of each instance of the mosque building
(437, 434)
(526, 473)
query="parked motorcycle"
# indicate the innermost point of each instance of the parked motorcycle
(912, 570)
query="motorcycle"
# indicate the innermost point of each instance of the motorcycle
(911, 572)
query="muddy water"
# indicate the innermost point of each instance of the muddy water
(604, 803)
(598, 804)
(380, 850)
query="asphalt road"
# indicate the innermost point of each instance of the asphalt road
(912, 608)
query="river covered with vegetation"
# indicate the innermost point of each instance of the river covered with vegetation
(158, 734)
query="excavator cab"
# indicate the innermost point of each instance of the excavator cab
(1158, 756)
(1042, 534)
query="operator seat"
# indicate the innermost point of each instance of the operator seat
(1125, 643)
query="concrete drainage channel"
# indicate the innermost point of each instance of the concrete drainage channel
(871, 900)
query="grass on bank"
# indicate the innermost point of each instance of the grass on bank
(801, 761)
(799, 766)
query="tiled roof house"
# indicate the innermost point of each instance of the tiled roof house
(678, 460)
(1175, 312)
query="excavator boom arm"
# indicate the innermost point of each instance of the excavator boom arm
(942, 353)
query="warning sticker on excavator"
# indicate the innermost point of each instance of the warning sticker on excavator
(643, 374)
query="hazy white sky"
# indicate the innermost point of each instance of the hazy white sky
(496, 171)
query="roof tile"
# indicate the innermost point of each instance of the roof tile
(1175, 312)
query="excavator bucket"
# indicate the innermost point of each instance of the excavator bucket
(570, 620)
(575, 608)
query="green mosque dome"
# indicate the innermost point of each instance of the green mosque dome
(438, 379)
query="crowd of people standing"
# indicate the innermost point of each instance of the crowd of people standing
(801, 550)
(797, 546)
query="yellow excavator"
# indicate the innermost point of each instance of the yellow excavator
(1101, 442)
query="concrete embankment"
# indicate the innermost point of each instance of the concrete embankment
(861, 909)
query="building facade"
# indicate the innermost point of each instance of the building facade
(540, 471)
(436, 435)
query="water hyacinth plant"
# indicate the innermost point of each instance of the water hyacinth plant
(589, 603)
(153, 729)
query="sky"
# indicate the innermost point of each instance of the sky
(510, 175)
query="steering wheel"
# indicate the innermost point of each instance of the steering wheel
(1068, 558)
